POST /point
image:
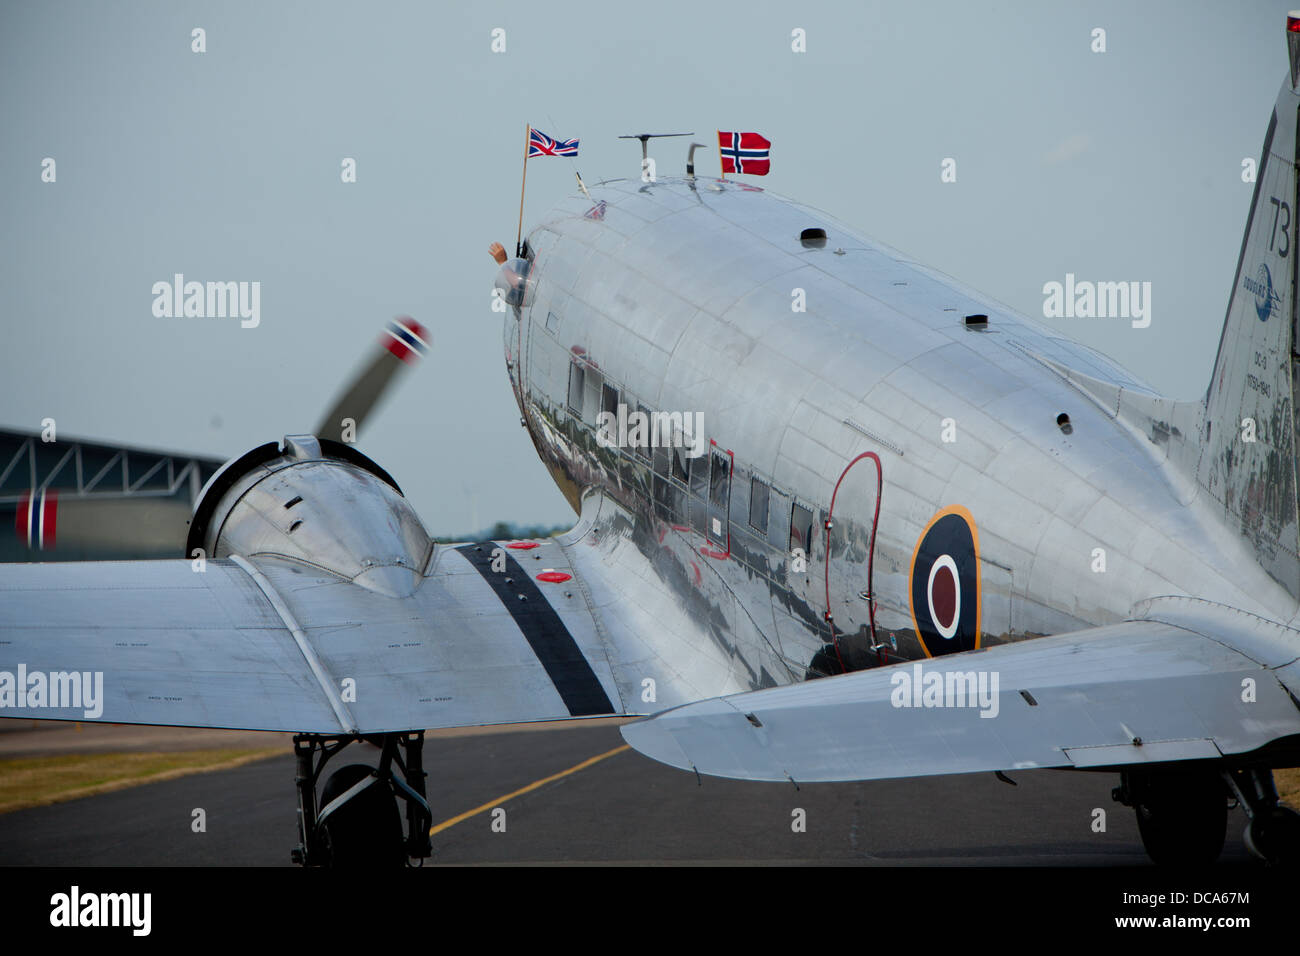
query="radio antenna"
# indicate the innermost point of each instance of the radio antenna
(646, 137)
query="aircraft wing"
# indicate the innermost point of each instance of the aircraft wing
(272, 644)
(329, 610)
(1186, 682)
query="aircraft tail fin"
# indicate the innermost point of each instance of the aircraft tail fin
(1247, 460)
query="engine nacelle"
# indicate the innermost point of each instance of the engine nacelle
(318, 502)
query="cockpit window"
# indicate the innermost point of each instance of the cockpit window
(515, 283)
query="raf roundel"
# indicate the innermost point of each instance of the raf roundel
(944, 583)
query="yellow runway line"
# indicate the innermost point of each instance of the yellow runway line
(445, 824)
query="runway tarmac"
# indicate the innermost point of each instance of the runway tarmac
(618, 808)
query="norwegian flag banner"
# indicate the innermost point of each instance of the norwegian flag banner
(744, 153)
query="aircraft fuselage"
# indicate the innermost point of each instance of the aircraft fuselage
(924, 494)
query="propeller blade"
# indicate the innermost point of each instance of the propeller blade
(102, 502)
(403, 342)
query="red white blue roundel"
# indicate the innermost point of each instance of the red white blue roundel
(944, 583)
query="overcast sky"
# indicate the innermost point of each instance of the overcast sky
(225, 165)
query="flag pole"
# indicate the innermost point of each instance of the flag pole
(519, 249)
(722, 172)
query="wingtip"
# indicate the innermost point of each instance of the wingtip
(651, 738)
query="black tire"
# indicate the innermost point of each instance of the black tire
(367, 830)
(1182, 816)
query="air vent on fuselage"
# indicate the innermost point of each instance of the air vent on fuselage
(977, 321)
(813, 238)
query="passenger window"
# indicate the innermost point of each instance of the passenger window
(661, 466)
(758, 505)
(700, 476)
(643, 448)
(778, 522)
(680, 463)
(663, 499)
(801, 520)
(576, 381)
(720, 482)
(592, 398)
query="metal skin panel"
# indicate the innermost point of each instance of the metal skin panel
(475, 667)
(1131, 693)
(685, 645)
(175, 647)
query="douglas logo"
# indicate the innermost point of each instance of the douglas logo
(1262, 288)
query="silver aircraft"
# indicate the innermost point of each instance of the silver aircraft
(794, 455)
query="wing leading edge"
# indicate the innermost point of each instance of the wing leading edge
(1139, 692)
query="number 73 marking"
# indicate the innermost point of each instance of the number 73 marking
(1279, 206)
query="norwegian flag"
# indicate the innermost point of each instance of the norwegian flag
(539, 144)
(744, 153)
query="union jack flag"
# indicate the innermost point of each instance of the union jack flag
(539, 144)
(744, 153)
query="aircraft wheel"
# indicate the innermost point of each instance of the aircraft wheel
(367, 830)
(1182, 816)
(1274, 836)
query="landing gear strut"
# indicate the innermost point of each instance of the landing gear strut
(1182, 812)
(1273, 833)
(357, 822)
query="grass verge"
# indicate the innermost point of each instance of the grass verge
(38, 781)
(1288, 785)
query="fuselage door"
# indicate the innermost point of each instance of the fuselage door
(850, 537)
